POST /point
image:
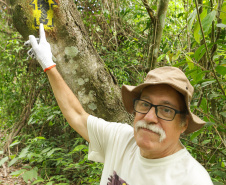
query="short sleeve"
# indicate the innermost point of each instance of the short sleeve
(103, 136)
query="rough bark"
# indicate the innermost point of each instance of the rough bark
(76, 58)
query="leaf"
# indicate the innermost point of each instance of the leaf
(30, 175)
(191, 19)
(207, 21)
(223, 14)
(200, 52)
(14, 143)
(13, 161)
(190, 62)
(1, 152)
(50, 183)
(39, 179)
(195, 134)
(218, 183)
(221, 70)
(206, 141)
(161, 57)
(18, 172)
(197, 26)
(50, 117)
(46, 150)
(206, 83)
(221, 25)
(3, 160)
(223, 114)
(24, 152)
(52, 151)
(79, 148)
(203, 105)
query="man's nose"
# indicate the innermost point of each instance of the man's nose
(151, 116)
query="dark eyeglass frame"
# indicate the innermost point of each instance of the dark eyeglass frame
(156, 109)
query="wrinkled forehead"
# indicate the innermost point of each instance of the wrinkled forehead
(163, 93)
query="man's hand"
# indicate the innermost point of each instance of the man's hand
(41, 50)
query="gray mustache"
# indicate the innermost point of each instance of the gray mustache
(151, 127)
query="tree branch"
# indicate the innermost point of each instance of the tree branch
(1, 1)
(149, 10)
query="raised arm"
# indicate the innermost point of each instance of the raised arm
(67, 101)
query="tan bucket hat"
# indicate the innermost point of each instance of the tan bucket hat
(165, 75)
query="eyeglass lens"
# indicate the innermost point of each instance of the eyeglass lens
(161, 111)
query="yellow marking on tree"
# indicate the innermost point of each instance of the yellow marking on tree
(43, 13)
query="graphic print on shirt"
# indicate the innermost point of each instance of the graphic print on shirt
(116, 180)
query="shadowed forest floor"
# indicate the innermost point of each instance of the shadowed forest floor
(7, 179)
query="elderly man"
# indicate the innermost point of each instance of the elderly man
(150, 152)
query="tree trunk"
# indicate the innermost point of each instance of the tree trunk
(158, 26)
(77, 60)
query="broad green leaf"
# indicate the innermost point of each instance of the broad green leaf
(14, 143)
(24, 152)
(200, 52)
(179, 64)
(50, 117)
(190, 62)
(197, 26)
(223, 114)
(221, 70)
(161, 57)
(221, 25)
(1, 152)
(50, 183)
(46, 150)
(218, 183)
(206, 141)
(18, 172)
(195, 134)
(39, 179)
(203, 105)
(52, 151)
(30, 175)
(26, 167)
(191, 19)
(223, 13)
(207, 21)
(79, 148)
(206, 83)
(3, 160)
(13, 161)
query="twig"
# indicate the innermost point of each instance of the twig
(4, 170)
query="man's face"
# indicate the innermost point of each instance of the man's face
(149, 141)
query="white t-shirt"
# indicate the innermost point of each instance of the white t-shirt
(114, 145)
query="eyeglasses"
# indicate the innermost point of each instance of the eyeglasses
(161, 111)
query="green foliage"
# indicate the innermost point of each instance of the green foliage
(52, 152)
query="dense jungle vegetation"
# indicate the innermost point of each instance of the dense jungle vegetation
(33, 132)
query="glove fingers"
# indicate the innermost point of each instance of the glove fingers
(28, 42)
(33, 41)
(31, 53)
(42, 34)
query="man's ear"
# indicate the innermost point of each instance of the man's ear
(185, 126)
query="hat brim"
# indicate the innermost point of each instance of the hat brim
(129, 93)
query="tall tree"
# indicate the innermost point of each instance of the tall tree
(77, 60)
(158, 22)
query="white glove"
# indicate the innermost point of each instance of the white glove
(41, 50)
